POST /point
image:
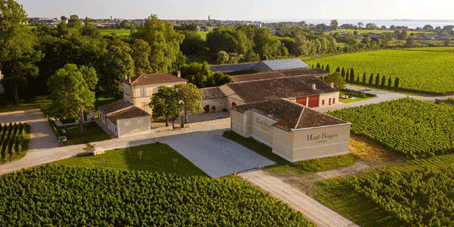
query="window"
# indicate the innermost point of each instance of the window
(144, 91)
(323, 102)
(334, 100)
(329, 101)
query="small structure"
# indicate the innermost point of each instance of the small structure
(214, 100)
(293, 131)
(123, 118)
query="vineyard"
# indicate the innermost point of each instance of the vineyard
(13, 139)
(417, 198)
(70, 196)
(407, 126)
(426, 70)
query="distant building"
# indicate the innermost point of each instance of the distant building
(277, 65)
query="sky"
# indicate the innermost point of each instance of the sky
(253, 10)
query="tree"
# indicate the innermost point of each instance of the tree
(328, 69)
(318, 65)
(386, 38)
(364, 79)
(17, 48)
(334, 24)
(119, 64)
(357, 79)
(446, 42)
(165, 103)
(352, 75)
(140, 55)
(72, 92)
(343, 72)
(377, 81)
(190, 97)
(383, 82)
(222, 57)
(389, 83)
(338, 69)
(371, 79)
(396, 83)
(337, 79)
(192, 43)
(360, 25)
(163, 40)
(410, 42)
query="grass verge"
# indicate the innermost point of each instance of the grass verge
(153, 158)
(91, 133)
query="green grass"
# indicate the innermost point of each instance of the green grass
(335, 194)
(10, 107)
(91, 133)
(323, 164)
(117, 32)
(355, 99)
(260, 148)
(155, 158)
(419, 70)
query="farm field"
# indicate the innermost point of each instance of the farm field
(63, 196)
(13, 140)
(407, 126)
(118, 32)
(426, 70)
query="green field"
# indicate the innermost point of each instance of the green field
(406, 126)
(427, 70)
(153, 158)
(76, 196)
(117, 32)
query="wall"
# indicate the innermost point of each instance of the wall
(133, 125)
(320, 142)
(127, 95)
(219, 103)
(262, 129)
(283, 143)
(326, 97)
(237, 123)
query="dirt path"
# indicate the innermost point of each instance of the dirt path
(313, 210)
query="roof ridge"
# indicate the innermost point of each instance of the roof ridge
(125, 108)
(136, 79)
(299, 119)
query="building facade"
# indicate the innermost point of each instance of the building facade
(293, 131)
(139, 90)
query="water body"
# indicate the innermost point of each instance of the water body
(379, 23)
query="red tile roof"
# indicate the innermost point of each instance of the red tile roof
(289, 115)
(114, 106)
(212, 93)
(156, 78)
(256, 76)
(127, 113)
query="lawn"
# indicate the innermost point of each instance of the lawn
(154, 158)
(351, 96)
(91, 133)
(426, 70)
(10, 107)
(117, 32)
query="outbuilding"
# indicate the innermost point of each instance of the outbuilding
(293, 131)
(123, 118)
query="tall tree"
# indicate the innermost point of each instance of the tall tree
(17, 52)
(389, 83)
(72, 92)
(190, 97)
(371, 79)
(377, 81)
(140, 54)
(383, 82)
(337, 79)
(364, 79)
(396, 83)
(334, 24)
(163, 40)
(119, 64)
(165, 103)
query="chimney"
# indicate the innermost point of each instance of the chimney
(179, 73)
(331, 85)
(313, 86)
(129, 78)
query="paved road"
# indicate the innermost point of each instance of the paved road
(313, 210)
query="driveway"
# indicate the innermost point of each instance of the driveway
(42, 136)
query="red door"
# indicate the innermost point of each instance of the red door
(313, 101)
(301, 100)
